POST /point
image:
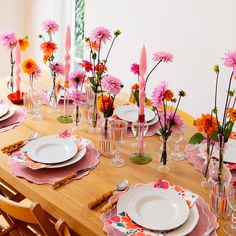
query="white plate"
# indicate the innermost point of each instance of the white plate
(9, 114)
(130, 113)
(184, 229)
(230, 151)
(157, 209)
(3, 109)
(52, 150)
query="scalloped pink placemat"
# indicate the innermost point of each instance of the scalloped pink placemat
(206, 218)
(49, 176)
(15, 120)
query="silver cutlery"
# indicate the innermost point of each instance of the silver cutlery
(209, 231)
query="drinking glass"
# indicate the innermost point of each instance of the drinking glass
(36, 100)
(230, 227)
(134, 128)
(118, 136)
(176, 154)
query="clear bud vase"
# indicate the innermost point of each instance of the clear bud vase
(163, 168)
(53, 97)
(76, 117)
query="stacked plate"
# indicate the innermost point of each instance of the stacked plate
(130, 114)
(6, 111)
(53, 152)
(158, 209)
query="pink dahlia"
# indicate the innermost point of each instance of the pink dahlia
(8, 39)
(57, 67)
(162, 56)
(177, 122)
(230, 59)
(76, 78)
(50, 26)
(100, 33)
(88, 66)
(158, 94)
(78, 97)
(135, 68)
(111, 84)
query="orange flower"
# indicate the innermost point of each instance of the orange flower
(207, 124)
(168, 95)
(232, 114)
(135, 86)
(148, 102)
(24, 43)
(93, 45)
(105, 104)
(100, 67)
(29, 66)
(48, 47)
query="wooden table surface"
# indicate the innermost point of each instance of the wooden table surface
(70, 201)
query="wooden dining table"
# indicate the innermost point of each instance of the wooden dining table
(70, 201)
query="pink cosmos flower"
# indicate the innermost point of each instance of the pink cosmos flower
(230, 59)
(37, 72)
(78, 97)
(100, 33)
(57, 67)
(135, 68)
(177, 124)
(88, 66)
(76, 78)
(50, 26)
(111, 84)
(8, 39)
(158, 94)
(164, 56)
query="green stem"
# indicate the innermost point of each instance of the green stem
(110, 50)
(153, 70)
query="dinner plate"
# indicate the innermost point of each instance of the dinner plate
(184, 229)
(130, 113)
(10, 113)
(52, 150)
(3, 109)
(230, 151)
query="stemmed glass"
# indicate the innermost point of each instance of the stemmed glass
(176, 154)
(134, 128)
(118, 136)
(230, 227)
(36, 96)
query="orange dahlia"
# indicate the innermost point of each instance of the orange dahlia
(29, 66)
(232, 114)
(24, 43)
(207, 123)
(92, 45)
(100, 67)
(105, 105)
(48, 47)
(168, 95)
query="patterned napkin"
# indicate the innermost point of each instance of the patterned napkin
(124, 224)
(22, 157)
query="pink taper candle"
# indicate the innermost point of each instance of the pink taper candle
(18, 60)
(67, 56)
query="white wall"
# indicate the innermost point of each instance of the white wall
(197, 32)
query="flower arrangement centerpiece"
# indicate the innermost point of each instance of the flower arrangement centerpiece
(76, 80)
(168, 118)
(49, 48)
(96, 65)
(9, 41)
(158, 57)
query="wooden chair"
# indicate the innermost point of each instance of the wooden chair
(28, 219)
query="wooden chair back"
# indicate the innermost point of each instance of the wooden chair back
(62, 228)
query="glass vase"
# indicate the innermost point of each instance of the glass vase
(218, 194)
(53, 97)
(76, 118)
(163, 168)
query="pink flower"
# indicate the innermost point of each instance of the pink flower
(76, 78)
(37, 72)
(88, 66)
(100, 33)
(78, 97)
(162, 56)
(177, 123)
(8, 39)
(57, 67)
(230, 59)
(135, 68)
(161, 184)
(111, 84)
(50, 26)
(158, 94)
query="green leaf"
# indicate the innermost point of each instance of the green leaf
(92, 81)
(215, 136)
(228, 129)
(136, 96)
(196, 138)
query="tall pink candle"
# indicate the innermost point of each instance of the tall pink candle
(18, 60)
(67, 56)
